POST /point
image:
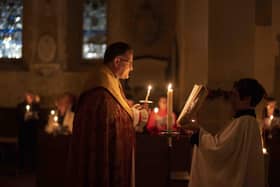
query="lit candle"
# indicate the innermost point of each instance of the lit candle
(55, 118)
(264, 151)
(148, 93)
(27, 107)
(169, 107)
(156, 110)
(52, 112)
(270, 119)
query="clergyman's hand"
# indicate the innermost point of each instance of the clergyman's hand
(140, 117)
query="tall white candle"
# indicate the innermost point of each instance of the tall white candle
(148, 93)
(169, 107)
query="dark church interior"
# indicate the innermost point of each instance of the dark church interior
(49, 48)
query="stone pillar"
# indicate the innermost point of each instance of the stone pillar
(192, 37)
(115, 27)
(265, 58)
(265, 45)
(216, 42)
(277, 70)
(230, 41)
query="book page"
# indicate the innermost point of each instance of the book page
(192, 105)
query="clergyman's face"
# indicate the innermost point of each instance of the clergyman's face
(125, 65)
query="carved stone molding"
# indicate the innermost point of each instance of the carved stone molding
(47, 69)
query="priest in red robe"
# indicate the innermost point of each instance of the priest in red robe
(102, 146)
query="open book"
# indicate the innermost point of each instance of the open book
(193, 103)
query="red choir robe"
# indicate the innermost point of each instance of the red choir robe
(158, 121)
(101, 153)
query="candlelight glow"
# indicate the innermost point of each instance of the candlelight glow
(27, 107)
(264, 150)
(156, 110)
(169, 86)
(52, 112)
(271, 117)
(55, 118)
(149, 87)
(193, 120)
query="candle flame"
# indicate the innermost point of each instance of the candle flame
(52, 112)
(148, 93)
(27, 107)
(55, 118)
(156, 110)
(169, 86)
(271, 117)
(264, 150)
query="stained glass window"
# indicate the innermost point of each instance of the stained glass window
(11, 28)
(94, 29)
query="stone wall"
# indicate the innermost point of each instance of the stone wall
(52, 37)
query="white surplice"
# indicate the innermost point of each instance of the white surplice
(231, 158)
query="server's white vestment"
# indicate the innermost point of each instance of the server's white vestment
(231, 158)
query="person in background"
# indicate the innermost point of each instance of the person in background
(61, 120)
(28, 116)
(158, 118)
(270, 113)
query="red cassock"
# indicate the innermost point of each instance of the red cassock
(102, 142)
(158, 121)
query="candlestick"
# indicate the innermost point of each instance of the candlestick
(169, 107)
(148, 93)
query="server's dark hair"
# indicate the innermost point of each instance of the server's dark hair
(248, 87)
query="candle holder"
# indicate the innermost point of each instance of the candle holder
(169, 134)
(145, 101)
